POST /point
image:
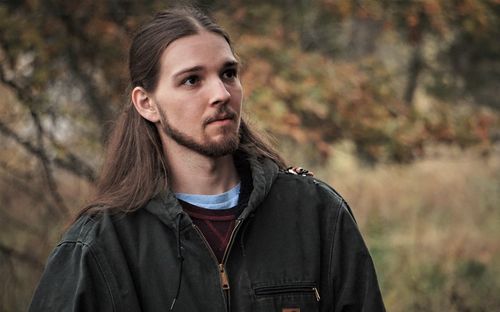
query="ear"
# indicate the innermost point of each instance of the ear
(144, 104)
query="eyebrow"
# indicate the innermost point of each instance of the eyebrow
(227, 64)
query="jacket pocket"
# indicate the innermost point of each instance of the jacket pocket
(299, 296)
(288, 289)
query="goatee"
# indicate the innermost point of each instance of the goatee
(227, 146)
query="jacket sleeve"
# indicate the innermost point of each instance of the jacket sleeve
(352, 271)
(73, 280)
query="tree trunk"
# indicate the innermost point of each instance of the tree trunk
(414, 69)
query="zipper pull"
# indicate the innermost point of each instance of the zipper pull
(316, 292)
(224, 280)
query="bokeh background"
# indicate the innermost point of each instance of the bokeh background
(395, 103)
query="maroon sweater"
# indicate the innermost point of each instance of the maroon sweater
(217, 225)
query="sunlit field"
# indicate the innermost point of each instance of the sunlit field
(433, 227)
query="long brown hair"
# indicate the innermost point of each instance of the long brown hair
(135, 169)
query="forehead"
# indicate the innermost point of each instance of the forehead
(205, 49)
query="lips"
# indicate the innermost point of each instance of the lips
(228, 116)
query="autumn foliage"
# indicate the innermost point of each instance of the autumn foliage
(390, 79)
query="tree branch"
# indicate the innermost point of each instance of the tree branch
(70, 163)
(47, 167)
(23, 182)
(94, 96)
(11, 252)
(11, 221)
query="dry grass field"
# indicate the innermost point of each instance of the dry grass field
(433, 227)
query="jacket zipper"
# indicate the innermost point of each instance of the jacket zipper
(224, 279)
(287, 289)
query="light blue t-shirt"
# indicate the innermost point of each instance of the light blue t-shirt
(225, 200)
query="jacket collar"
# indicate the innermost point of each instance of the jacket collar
(264, 171)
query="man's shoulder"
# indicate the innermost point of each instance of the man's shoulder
(301, 182)
(85, 229)
(111, 225)
(308, 188)
(89, 229)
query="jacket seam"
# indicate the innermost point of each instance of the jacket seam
(76, 242)
(92, 253)
(332, 248)
(99, 266)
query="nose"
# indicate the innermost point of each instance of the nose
(219, 93)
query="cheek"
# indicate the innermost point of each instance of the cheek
(188, 117)
(191, 117)
(181, 109)
(237, 95)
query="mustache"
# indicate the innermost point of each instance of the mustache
(222, 113)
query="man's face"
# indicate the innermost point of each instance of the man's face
(199, 95)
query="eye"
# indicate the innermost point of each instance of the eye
(191, 80)
(230, 74)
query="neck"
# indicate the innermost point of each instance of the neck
(193, 173)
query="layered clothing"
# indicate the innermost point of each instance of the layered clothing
(294, 247)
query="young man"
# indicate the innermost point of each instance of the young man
(194, 212)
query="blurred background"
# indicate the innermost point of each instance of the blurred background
(395, 103)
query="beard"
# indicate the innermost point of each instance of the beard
(228, 145)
